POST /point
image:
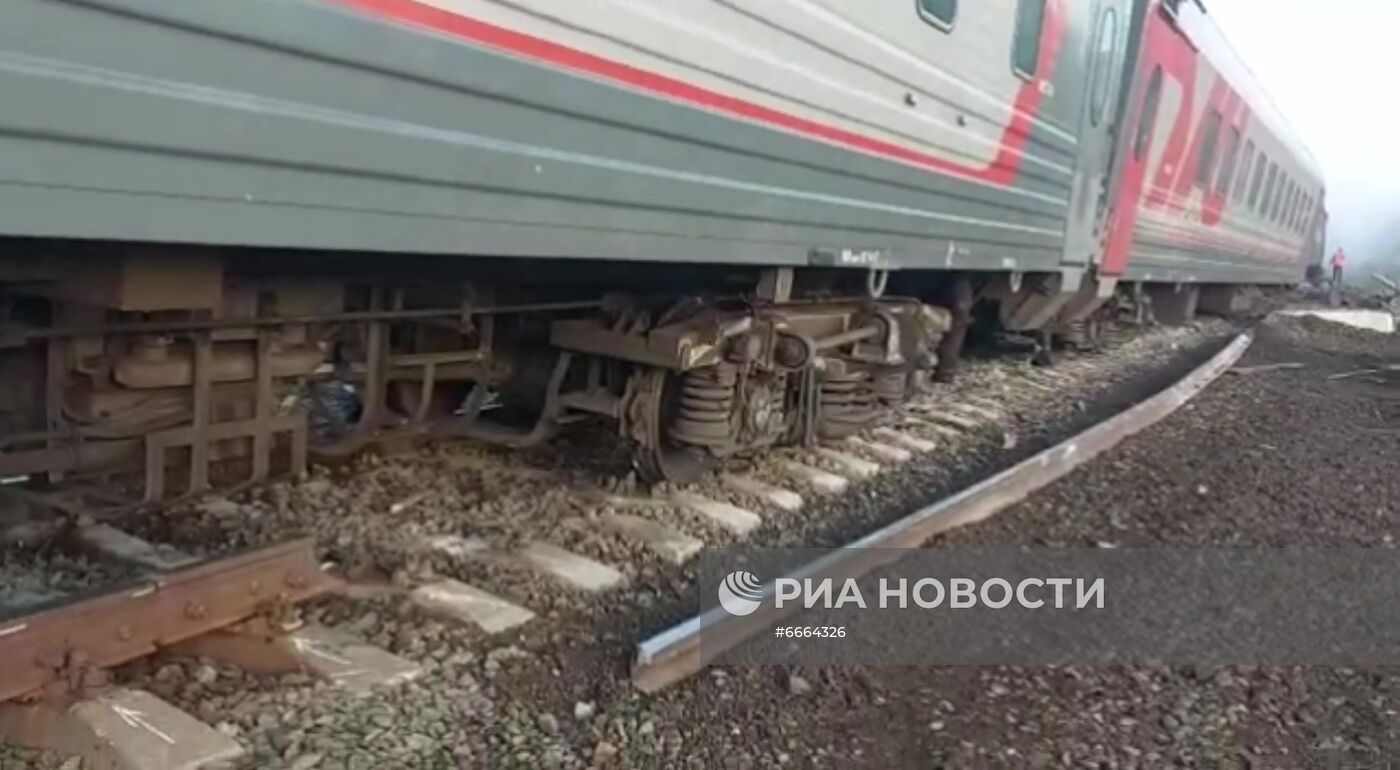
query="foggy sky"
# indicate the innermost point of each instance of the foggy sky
(1330, 66)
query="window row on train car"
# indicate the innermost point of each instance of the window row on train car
(1260, 185)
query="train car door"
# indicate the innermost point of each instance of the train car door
(1107, 42)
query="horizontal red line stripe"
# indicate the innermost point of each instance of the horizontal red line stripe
(1002, 171)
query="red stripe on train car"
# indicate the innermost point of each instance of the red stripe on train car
(1161, 48)
(1002, 171)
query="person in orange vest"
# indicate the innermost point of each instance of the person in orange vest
(1339, 261)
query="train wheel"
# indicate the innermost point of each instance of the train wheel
(652, 407)
(677, 465)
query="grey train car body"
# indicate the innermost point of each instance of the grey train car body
(768, 132)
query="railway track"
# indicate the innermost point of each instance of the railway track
(461, 561)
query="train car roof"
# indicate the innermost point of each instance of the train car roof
(1194, 21)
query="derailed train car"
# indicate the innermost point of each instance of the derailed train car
(246, 231)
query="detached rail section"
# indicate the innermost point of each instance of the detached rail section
(68, 643)
(676, 653)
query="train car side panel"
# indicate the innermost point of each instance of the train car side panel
(392, 126)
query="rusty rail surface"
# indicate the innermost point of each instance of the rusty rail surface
(676, 653)
(63, 642)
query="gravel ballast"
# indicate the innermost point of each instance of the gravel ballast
(1286, 457)
(1289, 457)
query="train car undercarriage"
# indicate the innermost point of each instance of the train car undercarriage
(185, 369)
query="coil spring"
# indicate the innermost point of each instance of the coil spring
(706, 404)
(891, 387)
(848, 404)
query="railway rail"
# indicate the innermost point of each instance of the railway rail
(498, 546)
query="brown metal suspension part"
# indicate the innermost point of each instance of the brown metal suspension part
(55, 382)
(951, 347)
(376, 358)
(808, 406)
(848, 403)
(891, 387)
(707, 401)
(175, 326)
(262, 408)
(199, 427)
(546, 424)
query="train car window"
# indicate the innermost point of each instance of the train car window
(1104, 69)
(1227, 167)
(1148, 122)
(1206, 163)
(1287, 207)
(939, 13)
(1025, 53)
(1257, 186)
(1285, 192)
(1271, 200)
(1242, 183)
(1270, 189)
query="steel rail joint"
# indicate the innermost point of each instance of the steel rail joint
(117, 625)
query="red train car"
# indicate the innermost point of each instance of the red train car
(1211, 185)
